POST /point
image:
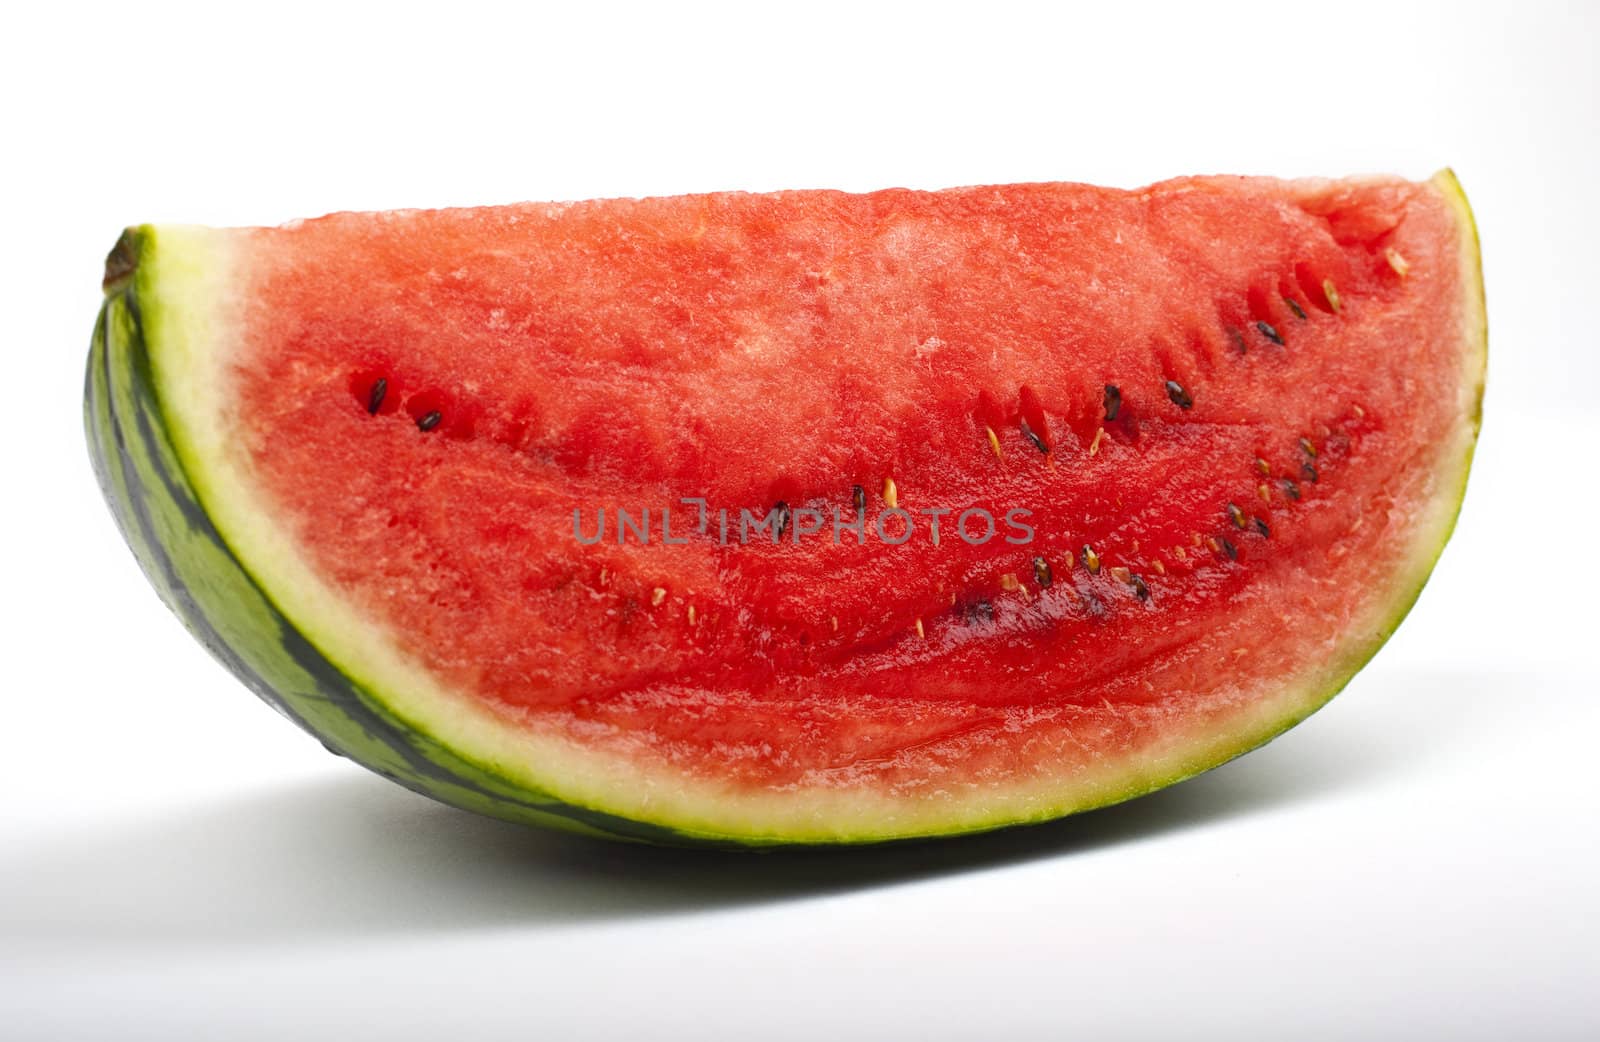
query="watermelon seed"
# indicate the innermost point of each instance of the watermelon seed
(1263, 467)
(1091, 560)
(1112, 402)
(1140, 590)
(1238, 340)
(1271, 333)
(1229, 549)
(781, 508)
(1261, 526)
(979, 611)
(430, 421)
(834, 620)
(1041, 572)
(920, 633)
(1179, 396)
(657, 595)
(1294, 305)
(891, 494)
(1331, 291)
(1121, 574)
(1308, 448)
(1264, 492)
(1094, 446)
(1400, 265)
(1160, 568)
(1009, 582)
(1038, 442)
(994, 443)
(375, 398)
(1291, 489)
(1308, 471)
(691, 615)
(858, 496)
(1236, 514)
(1180, 553)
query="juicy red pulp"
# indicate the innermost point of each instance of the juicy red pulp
(1252, 491)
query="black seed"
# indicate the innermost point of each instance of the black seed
(1238, 340)
(1038, 442)
(979, 611)
(1140, 590)
(1091, 560)
(858, 496)
(375, 397)
(430, 421)
(1179, 396)
(1229, 549)
(1041, 571)
(1270, 333)
(1291, 489)
(1236, 514)
(1261, 526)
(1294, 305)
(1308, 470)
(782, 510)
(1113, 401)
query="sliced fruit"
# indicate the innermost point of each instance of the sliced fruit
(802, 517)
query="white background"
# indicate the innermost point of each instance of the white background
(1418, 861)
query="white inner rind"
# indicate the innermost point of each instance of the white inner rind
(189, 283)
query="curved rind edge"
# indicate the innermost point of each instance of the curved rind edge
(196, 573)
(199, 578)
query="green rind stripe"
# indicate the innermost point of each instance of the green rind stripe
(199, 578)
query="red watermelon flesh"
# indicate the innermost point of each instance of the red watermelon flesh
(1233, 414)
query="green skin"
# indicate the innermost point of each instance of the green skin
(200, 579)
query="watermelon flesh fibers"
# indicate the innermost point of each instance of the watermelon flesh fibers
(477, 495)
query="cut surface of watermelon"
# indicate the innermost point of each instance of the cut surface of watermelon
(550, 510)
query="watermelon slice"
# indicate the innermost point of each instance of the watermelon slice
(807, 516)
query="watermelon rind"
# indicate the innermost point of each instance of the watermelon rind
(219, 565)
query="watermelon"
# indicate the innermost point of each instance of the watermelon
(805, 517)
